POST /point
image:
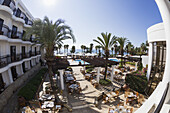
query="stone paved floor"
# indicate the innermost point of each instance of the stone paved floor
(84, 102)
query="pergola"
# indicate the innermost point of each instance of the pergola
(100, 62)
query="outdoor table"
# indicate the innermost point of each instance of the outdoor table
(87, 74)
(93, 81)
(68, 72)
(47, 104)
(58, 107)
(68, 75)
(120, 109)
(73, 86)
(69, 78)
(47, 96)
(131, 95)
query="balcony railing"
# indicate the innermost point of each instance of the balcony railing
(38, 52)
(5, 30)
(26, 55)
(8, 3)
(17, 35)
(33, 54)
(5, 60)
(30, 22)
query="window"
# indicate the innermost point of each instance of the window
(23, 33)
(1, 24)
(14, 30)
(26, 20)
(6, 2)
(18, 13)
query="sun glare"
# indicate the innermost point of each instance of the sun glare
(49, 2)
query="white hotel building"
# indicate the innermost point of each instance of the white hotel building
(17, 55)
(159, 63)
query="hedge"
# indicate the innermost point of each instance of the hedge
(30, 89)
(136, 82)
(105, 82)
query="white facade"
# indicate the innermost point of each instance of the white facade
(17, 55)
(157, 33)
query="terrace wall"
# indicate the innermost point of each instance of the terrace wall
(9, 91)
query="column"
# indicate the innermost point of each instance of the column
(136, 66)
(98, 74)
(113, 71)
(22, 72)
(10, 76)
(150, 59)
(61, 79)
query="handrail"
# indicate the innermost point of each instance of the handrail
(158, 109)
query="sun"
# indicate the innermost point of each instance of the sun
(49, 2)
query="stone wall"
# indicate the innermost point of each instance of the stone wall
(5, 95)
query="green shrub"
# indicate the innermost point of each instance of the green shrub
(105, 82)
(136, 82)
(131, 63)
(89, 70)
(30, 89)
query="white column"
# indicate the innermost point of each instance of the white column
(10, 76)
(84, 67)
(29, 67)
(22, 72)
(113, 71)
(61, 79)
(136, 66)
(98, 74)
(18, 70)
(150, 60)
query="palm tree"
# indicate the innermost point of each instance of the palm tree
(59, 47)
(73, 49)
(82, 48)
(67, 46)
(112, 50)
(116, 49)
(106, 43)
(122, 42)
(96, 47)
(129, 47)
(91, 48)
(50, 34)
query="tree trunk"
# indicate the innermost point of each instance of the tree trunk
(107, 56)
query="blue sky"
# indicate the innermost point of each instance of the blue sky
(88, 18)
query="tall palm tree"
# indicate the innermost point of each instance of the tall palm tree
(96, 47)
(91, 48)
(73, 49)
(122, 41)
(112, 50)
(106, 42)
(129, 47)
(59, 47)
(67, 46)
(82, 48)
(116, 49)
(50, 34)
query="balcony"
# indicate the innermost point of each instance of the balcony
(16, 35)
(5, 30)
(4, 60)
(38, 52)
(9, 3)
(26, 55)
